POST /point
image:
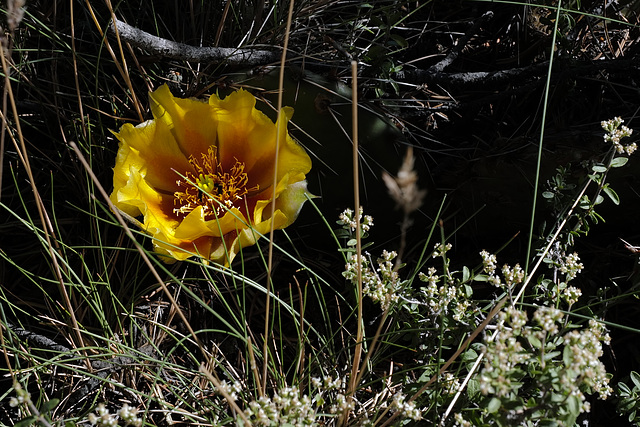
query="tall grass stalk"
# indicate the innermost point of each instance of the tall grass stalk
(267, 330)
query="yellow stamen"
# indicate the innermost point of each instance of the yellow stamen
(214, 189)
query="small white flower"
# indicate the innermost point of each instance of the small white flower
(441, 249)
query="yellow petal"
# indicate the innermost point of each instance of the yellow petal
(138, 197)
(244, 133)
(152, 148)
(192, 226)
(259, 213)
(192, 123)
(292, 157)
(291, 200)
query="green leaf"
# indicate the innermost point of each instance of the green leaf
(468, 291)
(25, 422)
(50, 405)
(534, 341)
(469, 356)
(473, 388)
(342, 233)
(596, 217)
(394, 84)
(624, 389)
(599, 168)
(573, 404)
(567, 356)
(628, 406)
(465, 274)
(635, 377)
(619, 162)
(494, 405)
(425, 376)
(548, 195)
(550, 355)
(584, 202)
(612, 194)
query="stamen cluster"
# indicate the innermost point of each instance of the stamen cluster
(211, 187)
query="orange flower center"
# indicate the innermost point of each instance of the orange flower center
(211, 187)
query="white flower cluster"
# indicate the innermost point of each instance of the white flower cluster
(102, 417)
(460, 421)
(382, 285)
(584, 366)
(288, 406)
(450, 383)
(230, 390)
(615, 133)
(448, 296)
(571, 294)
(548, 319)
(407, 409)
(512, 276)
(330, 384)
(571, 266)
(440, 249)
(576, 366)
(489, 262)
(347, 218)
(504, 354)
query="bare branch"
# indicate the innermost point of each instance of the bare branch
(170, 49)
(519, 76)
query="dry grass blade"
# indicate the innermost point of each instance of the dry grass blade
(274, 184)
(355, 368)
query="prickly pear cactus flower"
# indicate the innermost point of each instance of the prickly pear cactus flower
(201, 174)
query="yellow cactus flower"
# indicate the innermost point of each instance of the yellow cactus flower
(201, 174)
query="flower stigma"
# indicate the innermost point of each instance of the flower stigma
(211, 187)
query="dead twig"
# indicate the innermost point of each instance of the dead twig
(169, 49)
